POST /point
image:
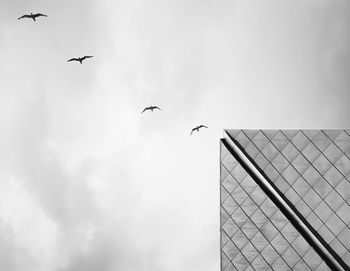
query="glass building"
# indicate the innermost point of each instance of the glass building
(285, 200)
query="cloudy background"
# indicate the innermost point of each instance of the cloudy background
(86, 181)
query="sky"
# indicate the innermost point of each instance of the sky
(87, 182)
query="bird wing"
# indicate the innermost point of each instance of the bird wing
(194, 129)
(84, 57)
(156, 107)
(200, 126)
(24, 16)
(146, 108)
(39, 14)
(73, 59)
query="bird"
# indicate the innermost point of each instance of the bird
(152, 107)
(80, 59)
(197, 128)
(32, 15)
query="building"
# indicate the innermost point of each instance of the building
(285, 200)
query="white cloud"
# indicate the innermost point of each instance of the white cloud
(94, 184)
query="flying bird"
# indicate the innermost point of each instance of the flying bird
(197, 128)
(32, 16)
(80, 59)
(151, 108)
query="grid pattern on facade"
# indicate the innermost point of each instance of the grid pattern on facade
(312, 169)
(255, 235)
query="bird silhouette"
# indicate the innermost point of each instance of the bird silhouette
(80, 59)
(32, 16)
(197, 128)
(151, 108)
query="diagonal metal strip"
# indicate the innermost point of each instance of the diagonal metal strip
(323, 250)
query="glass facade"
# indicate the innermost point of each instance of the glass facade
(310, 169)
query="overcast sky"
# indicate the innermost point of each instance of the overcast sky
(87, 182)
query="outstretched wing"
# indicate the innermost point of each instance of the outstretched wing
(73, 59)
(146, 108)
(24, 16)
(194, 129)
(201, 126)
(40, 14)
(84, 57)
(156, 107)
